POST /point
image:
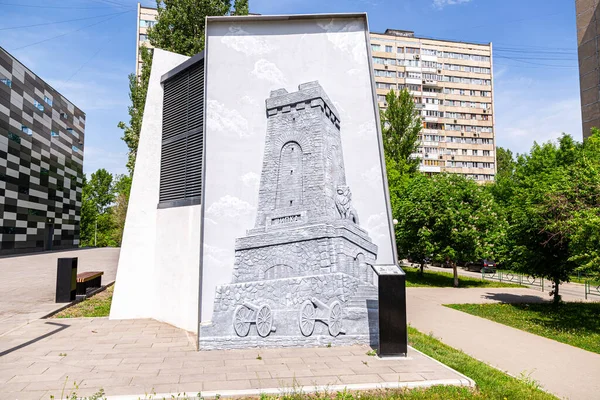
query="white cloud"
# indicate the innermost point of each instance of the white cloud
(367, 130)
(343, 40)
(372, 176)
(443, 3)
(222, 119)
(229, 207)
(268, 71)
(248, 100)
(377, 226)
(556, 110)
(218, 257)
(251, 180)
(240, 40)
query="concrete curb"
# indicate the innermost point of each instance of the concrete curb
(300, 389)
(464, 381)
(67, 305)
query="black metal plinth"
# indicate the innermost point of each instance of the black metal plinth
(66, 280)
(393, 338)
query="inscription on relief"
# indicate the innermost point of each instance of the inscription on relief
(286, 220)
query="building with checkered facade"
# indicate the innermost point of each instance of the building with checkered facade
(41, 163)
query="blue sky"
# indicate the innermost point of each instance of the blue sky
(89, 57)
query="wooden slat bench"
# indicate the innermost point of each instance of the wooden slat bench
(86, 280)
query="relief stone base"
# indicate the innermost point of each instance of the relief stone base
(335, 309)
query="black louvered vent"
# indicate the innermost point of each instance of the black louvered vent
(182, 138)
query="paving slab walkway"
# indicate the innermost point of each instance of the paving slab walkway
(136, 357)
(564, 370)
(28, 283)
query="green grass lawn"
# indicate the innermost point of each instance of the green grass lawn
(445, 279)
(95, 306)
(491, 383)
(577, 324)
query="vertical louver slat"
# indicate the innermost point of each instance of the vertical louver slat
(182, 137)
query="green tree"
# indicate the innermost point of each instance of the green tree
(505, 162)
(181, 23)
(122, 189)
(97, 199)
(503, 187)
(180, 29)
(101, 190)
(555, 209)
(400, 126)
(451, 218)
(88, 216)
(138, 88)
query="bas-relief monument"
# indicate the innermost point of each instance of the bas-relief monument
(302, 275)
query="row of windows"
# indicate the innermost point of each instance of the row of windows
(430, 52)
(29, 132)
(427, 89)
(393, 61)
(468, 152)
(468, 140)
(432, 163)
(470, 104)
(471, 81)
(480, 177)
(469, 164)
(144, 23)
(467, 68)
(455, 115)
(467, 92)
(433, 113)
(36, 103)
(468, 128)
(451, 139)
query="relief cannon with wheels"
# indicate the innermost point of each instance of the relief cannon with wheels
(315, 310)
(248, 314)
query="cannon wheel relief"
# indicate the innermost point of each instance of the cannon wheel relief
(315, 310)
(247, 314)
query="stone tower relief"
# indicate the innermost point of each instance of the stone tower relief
(302, 274)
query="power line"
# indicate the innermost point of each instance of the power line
(68, 33)
(502, 50)
(54, 7)
(60, 22)
(533, 63)
(113, 3)
(97, 51)
(533, 66)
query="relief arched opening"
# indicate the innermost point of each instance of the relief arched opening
(278, 271)
(290, 176)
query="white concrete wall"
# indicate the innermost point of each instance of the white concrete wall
(158, 272)
(177, 272)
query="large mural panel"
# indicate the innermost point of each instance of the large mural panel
(295, 208)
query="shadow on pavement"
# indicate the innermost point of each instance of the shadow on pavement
(37, 339)
(514, 298)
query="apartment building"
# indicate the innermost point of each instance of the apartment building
(452, 86)
(41, 163)
(146, 18)
(588, 36)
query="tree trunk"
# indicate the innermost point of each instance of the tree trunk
(556, 298)
(422, 265)
(455, 270)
